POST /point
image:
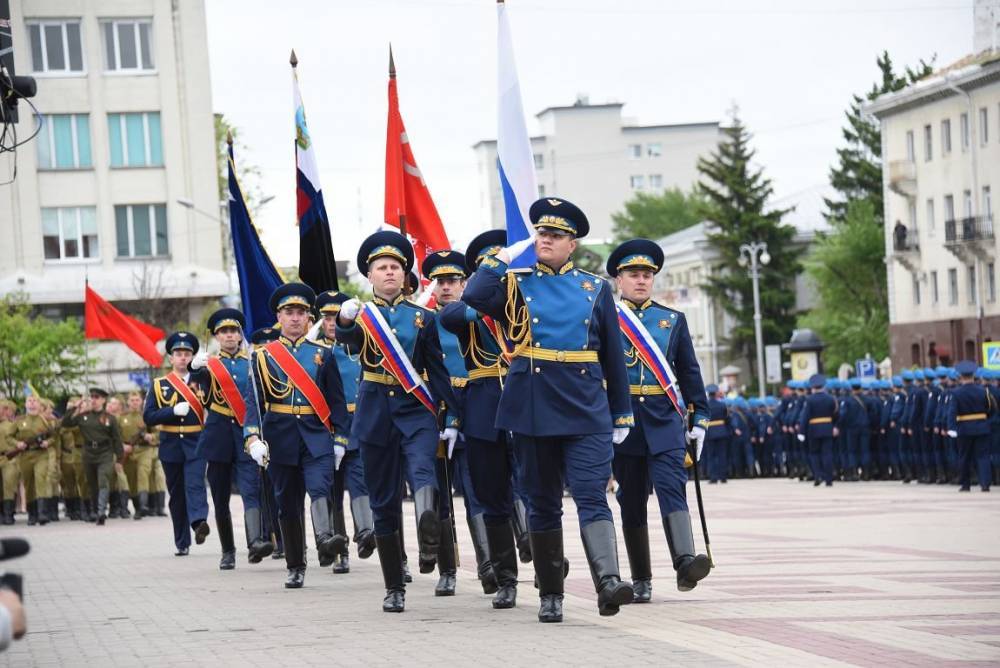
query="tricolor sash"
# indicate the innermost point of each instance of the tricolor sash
(228, 387)
(302, 380)
(394, 358)
(189, 396)
(506, 347)
(649, 352)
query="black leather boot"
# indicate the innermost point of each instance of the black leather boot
(73, 508)
(341, 562)
(425, 504)
(500, 543)
(258, 547)
(547, 555)
(113, 500)
(328, 546)
(123, 511)
(88, 510)
(407, 577)
(364, 526)
(390, 556)
(137, 515)
(520, 521)
(224, 525)
(201, 531)
(484, 569)
(446, 561)
(161, 504)
(602, 555)
(43, 511)
(690, 567)
(293, 534)
(8, 512)
(53, 508)
(639, 563)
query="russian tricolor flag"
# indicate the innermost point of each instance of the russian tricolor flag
(514, 156)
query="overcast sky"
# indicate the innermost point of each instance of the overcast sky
(790, 66)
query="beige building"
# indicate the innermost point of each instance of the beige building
(127, 137)
(941, 147)
(591, 155)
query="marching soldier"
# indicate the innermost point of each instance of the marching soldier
(10, 470)
(118, 505)
(969, 412)
(102, 446)
(351, 472)
(397, 414)
(221, 442)
(33, 434)
(295, 427)
(72, 478)
(816, 428)
(54, 454)
(717, 434)
(272, 527)
(175, 405)
(565, 398)
(662, 368)
(140, 449)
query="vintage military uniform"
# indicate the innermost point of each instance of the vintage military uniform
(178, 450)
(221, 444)
(351, 474)
(969, 414)
(392, 424)
(653, 455)
(567, 390)
(139, 463)
(298, 409)
(102, 446)
(73, 481)
(10, 470)
(38, 433)
(817, 424)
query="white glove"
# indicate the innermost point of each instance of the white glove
(619, 434)
(182, 408)
(260, 453)
(451, 435)
(697, 434)
(350, 309)
(200, 360)
(313, 333)
(338, 456)
(512, 252)
(801, 437)
(952, 433)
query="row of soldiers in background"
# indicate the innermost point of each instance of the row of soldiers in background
(50, 457)
(894, 429)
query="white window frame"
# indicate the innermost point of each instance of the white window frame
(62, 22)
(658, 177)
(930, 217)
(123, 132)
(654, 153)
(135, 21)
(935, 296)
(928, 142)
(963, 131)
(916, 289)
(49, 129)
(637, 182)
(984, 126)
(153, 243)
(911, 146)
(62, 259)
(945, 137)
(635, 151)
(953, 288)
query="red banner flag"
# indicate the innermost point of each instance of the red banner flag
(104, 321)
(406, 195)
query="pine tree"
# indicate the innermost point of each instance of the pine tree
(736, 195)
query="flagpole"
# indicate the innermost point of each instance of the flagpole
(86, 345)
(392, 75)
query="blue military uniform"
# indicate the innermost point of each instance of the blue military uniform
(854, 419)
(350, 476)
(272, 525)
(653, 454)
(816, 424)
(391, 424)
(300, 444)
(221, 445)
(566, 391)
(717, 436)
(183, 467)
(969, 415)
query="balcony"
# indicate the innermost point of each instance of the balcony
(968, 230)
(906, 246)
(903, 177)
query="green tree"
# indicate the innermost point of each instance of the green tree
(50, 356)
(736, 195)
(848, 271)
(652, 216)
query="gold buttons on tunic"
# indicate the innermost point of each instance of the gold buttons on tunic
(392, 393)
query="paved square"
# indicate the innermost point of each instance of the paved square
(865, 574)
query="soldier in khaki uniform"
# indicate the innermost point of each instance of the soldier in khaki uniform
(140, 450)
(10, 471)
(54, 452)
(102, 446)
(118, 506)
(33, 435)
(72, 480)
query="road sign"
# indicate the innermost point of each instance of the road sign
(991, 354)
(772, 363)
(865, 368)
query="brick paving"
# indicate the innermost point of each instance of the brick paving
(864, 574)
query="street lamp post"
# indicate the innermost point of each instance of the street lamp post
(755, 254)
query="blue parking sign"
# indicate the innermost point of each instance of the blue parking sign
(991, 354)
(865, 368)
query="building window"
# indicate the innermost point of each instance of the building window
(916, 289)
(64, 142)
(915, 355)
(987, 203)
(539, 161)
(637, 181)
(984, 126)
(991, 283)
(971, 281)
(911, 213)
(934, 287)
(963, 130)
(141, 230)
(541, 190)
(946, 136)
(654, 150)
(953, 286)
(55, 46)
(949, 207)
(128, 45)
(656, 180)
(928, 144)
(635, 151)
(930, 217)
(135, 140)
(70, 233)
(911, 150)
(967, 203)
